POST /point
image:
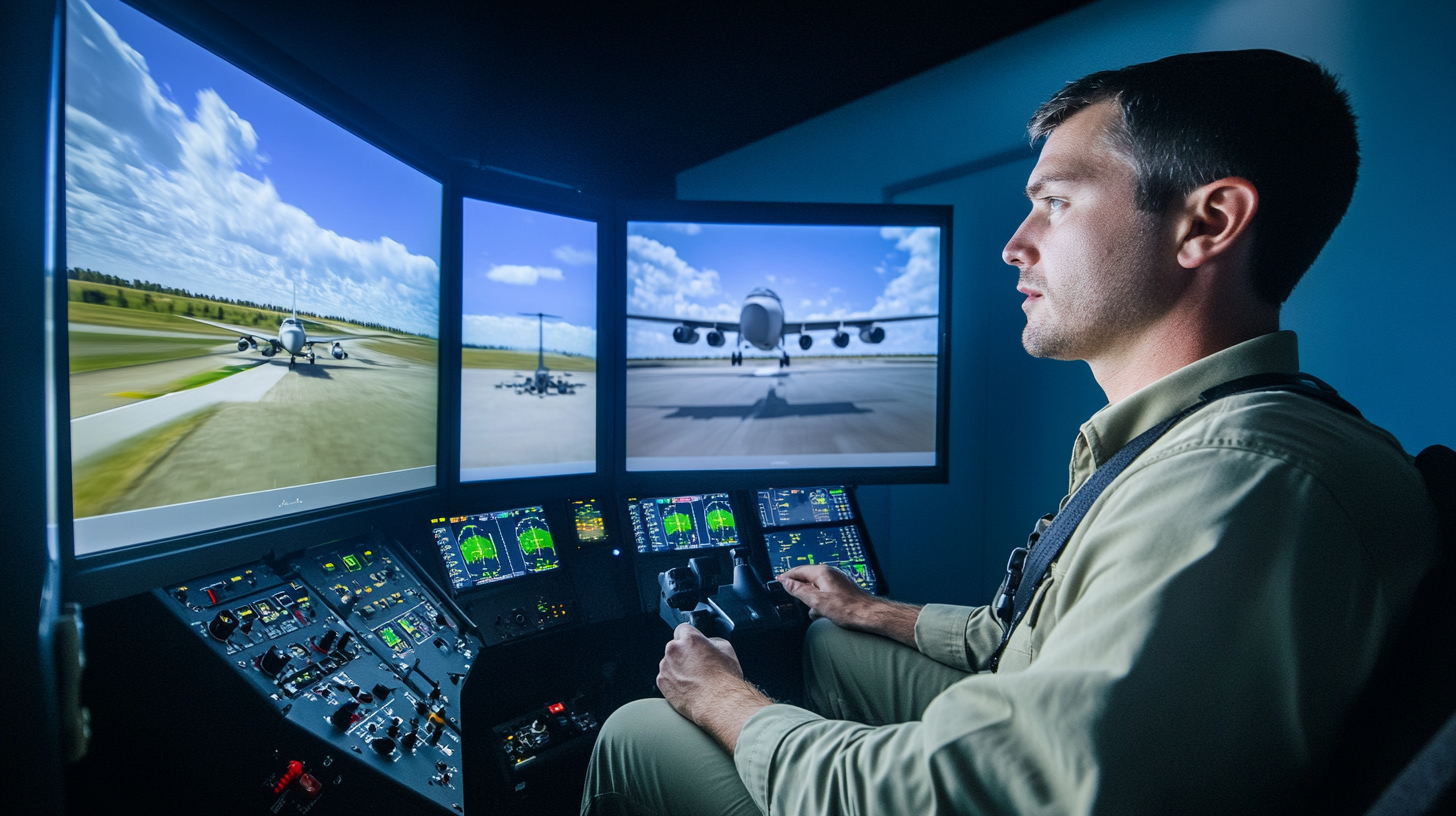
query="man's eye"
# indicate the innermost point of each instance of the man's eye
(1055, 203)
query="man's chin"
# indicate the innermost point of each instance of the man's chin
(1046, 345)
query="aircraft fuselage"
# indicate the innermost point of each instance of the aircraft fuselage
(761, 321)
(292, 336)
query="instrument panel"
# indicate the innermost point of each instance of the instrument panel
(351, 645)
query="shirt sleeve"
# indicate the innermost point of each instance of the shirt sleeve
(1208, 629)
(961, 637)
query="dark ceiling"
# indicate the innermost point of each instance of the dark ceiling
(616, 98)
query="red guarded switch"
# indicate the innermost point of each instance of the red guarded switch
(556, 708)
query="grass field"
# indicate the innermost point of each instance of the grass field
(522, 360)
(101, 483)
(414, 349)
(94, 352)
(148, 310)
(194, 381)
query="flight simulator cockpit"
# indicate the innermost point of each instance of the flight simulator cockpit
(417, 572)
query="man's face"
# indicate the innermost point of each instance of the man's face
(1092, 265)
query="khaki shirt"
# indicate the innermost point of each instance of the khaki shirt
(1193, 648)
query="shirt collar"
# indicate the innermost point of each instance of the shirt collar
(1115, 425)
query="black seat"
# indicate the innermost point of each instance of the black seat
(1397, 751)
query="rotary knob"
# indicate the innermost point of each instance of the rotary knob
(383, 745)
(223, 625)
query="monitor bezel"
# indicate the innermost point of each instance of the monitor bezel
(122, 571)
(563, 201)
(761, 212)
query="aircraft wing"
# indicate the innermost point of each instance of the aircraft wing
(720, 325)
(854, 323)
(338, 338)
(238, 330)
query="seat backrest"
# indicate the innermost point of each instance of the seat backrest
(1412, 693)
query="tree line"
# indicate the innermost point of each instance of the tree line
(97, 297)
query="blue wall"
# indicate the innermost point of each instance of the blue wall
(1374, 313)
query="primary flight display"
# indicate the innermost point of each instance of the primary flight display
(488, 547)
(770, 346)
(683, 522)
(252, 306)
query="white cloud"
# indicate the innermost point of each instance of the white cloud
(916, 289)
(571, 256)
(510, 331)
(153, 193)
(685, 229)
(662, 284)
(520, 275)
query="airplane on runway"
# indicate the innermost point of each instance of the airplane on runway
(542, 383)
(761, 324)
(291, 338)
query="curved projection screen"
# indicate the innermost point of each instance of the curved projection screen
(772, 346)
(253, 295)
(528, 404)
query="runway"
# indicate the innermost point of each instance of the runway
(264, 428)
(816, 408)
(501, 428)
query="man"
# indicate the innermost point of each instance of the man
(1195, 645)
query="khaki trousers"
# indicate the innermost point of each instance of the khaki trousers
(650, 761)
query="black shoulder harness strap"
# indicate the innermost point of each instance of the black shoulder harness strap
(1053, 539)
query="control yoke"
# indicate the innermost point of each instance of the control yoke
(697, 594)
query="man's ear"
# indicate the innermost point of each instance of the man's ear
(1213, 219)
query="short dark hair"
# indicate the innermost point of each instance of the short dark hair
(1279, 121)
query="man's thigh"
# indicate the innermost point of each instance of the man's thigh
(650, 761)
(851, 675)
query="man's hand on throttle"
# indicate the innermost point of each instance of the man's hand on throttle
(702, 680)
(831, 594)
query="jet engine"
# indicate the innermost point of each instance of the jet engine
(338, 352)
(872, 333)
(841, 339)
(805, 341)
(715, 338)
(245, 343)
(685, 334)
(269, 350)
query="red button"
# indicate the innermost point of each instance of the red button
(556, 708)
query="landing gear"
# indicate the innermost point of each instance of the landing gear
(784, 360)
(290, 362)
(736, 358)
(310, 358)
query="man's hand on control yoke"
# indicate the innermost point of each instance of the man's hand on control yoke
(831, 594)
(701, 678)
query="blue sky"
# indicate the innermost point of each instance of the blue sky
(704, 271)
(184, 170)
(517, 260)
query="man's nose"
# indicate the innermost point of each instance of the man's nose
(1019, 251)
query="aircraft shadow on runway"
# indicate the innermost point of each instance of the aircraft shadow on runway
(771, 406)
(315, 371)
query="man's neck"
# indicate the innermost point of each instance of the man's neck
(1172, 343)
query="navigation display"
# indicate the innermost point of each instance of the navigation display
(490, 547)
(838, 547)
(590, 527)
(790, 506)
(771, 346)
(683, 522)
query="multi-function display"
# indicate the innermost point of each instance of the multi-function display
(792, 506)
(683, 522)
(838, 547)
(490, 547)
(590, 527)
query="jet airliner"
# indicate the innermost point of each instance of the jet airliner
(291, 338)
(761, 324)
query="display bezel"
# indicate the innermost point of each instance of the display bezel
(639, 482)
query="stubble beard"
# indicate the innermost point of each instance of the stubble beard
(1107, 300)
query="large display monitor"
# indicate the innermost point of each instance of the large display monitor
(528, 380)
(487, 547)
(253, 303)
(763, 338)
